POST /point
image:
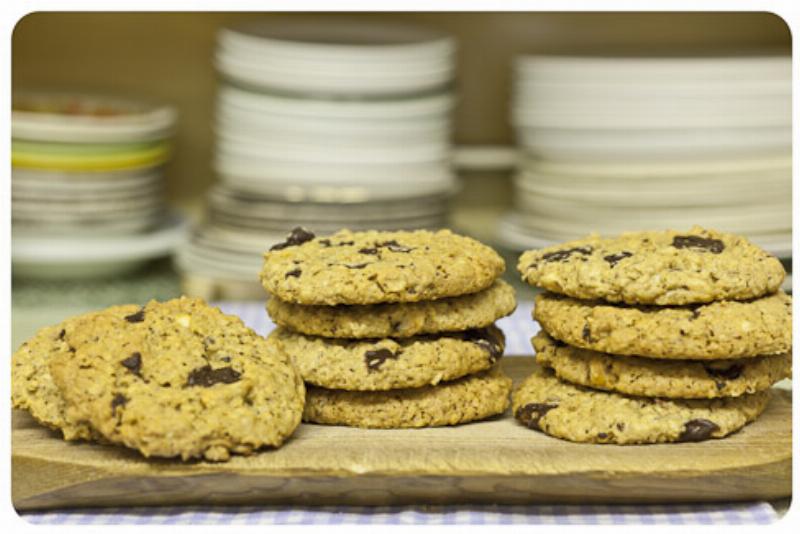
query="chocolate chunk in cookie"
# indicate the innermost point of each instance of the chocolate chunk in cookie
(298, 236)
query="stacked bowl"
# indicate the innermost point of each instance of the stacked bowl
(325, 124)
(613, 142)
(87, 184)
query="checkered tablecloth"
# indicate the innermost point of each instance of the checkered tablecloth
(704, 514)
(518, 329)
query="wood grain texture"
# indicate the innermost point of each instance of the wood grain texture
(496, 461)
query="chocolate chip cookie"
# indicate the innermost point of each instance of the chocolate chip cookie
(32, 386)
(376, 267)
(725, 329)
(471, 398)
(685, 379)
(663, 268)
(575, 413)
(476, 310)
(178, 378)
(383, 364)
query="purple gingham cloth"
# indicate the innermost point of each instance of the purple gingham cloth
(518, 328)
(688, 514)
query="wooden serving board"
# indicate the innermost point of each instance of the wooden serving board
(496, 461)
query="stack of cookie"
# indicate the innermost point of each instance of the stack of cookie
(391, 329)
(654, 337)
(175, 378)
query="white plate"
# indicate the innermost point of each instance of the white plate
(264, 153)
(356, 83)
(346, 195)
(111, 228)
(70, 257)
(21, 194)
(653, 196)
(27, 184)
(75, 229)
(325, 227)
(335, 68)
(623, 169)
(25, 193)
(579, 99)
(342, 40)
(770, 115)
(676, 190)
(341, 131)
(237, 240)
(221, 254)
(433, 105)
(106, 119)
(48, 208)
(192, 257)
(190, 263)
(86, 188)
(513, 233)
(690, 190)
(712, 138)
(577, 216)
(83, 189)
(622, 121)
(707, 143)
(378, 139)
(683, 107)
(749, 65)
(338, 183)
(86, 211)
(241, 242)
(303, 172)
(240, 120)
(338, 193)
(535, 88)
(235, 204)
(554, 217)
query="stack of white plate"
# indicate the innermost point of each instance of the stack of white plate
(333, 150)
(616, 143)
(87, 184)
(237, 210)
(336, 57)
(325, 124)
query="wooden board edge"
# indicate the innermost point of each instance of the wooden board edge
(764, 482)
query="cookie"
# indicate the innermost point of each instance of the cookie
(179, 378)
(32, 386)
(381, 364)
(470, 398)
(686, 379)
(725, 329)
(476, 310)
(663, 268)
(575, 413)
(375, 267)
